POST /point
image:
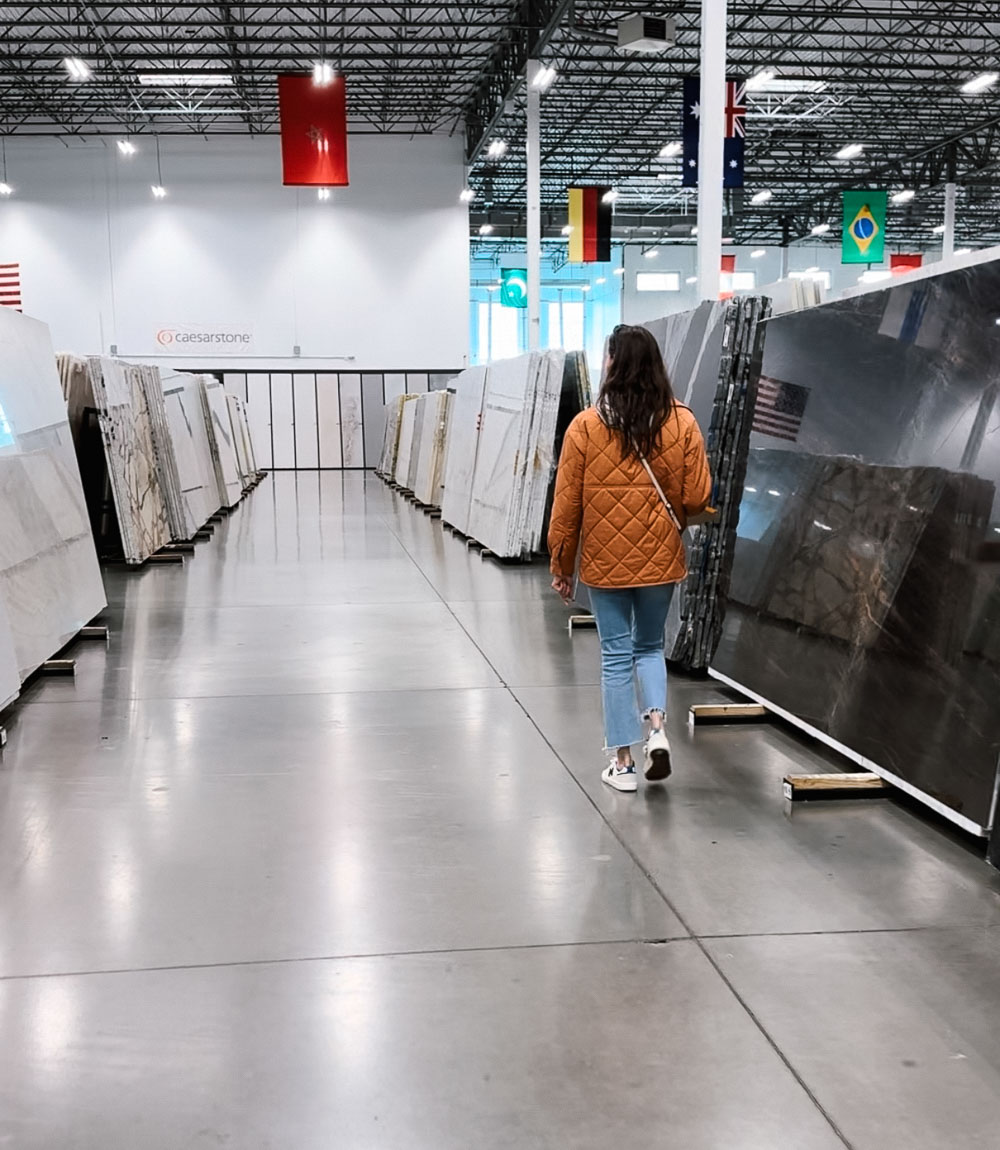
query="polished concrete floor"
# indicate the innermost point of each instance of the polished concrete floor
(315, 855)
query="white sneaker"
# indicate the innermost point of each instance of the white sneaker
(621, 778)
(657, 752)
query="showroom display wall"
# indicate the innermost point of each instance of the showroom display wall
(231, 251)
(330, 420)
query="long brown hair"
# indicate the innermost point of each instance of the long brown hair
(636, 399)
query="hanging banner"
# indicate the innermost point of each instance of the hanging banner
(864, 227)
(590, 218)
(514, 287)
(313, 132)
(733, 146)
(902, 262)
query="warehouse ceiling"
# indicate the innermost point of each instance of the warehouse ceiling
(882, 73)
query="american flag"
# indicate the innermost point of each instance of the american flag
(736, 108)
(780, 408)
(10, 285)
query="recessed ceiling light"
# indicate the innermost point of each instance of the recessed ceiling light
(185, 79)
(904, 196)
(126, 147)
(668, 151)
(761, 79)
(467, 195)
(761, 197)
(610, 196)
(323, 74)
(756, 255)
(849, 151)
(980, 83)
(159, 191)
(496, 149)
(820, 229)
(567, 230)
(78, 70)
(485, 229)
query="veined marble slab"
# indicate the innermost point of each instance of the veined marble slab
(222, 441)
(50, 581)
(463, 447)
(407, 431)
(430, 455)
(182, 525)
(10, 679)
(239, 439)
(185, 414)
(126, 427)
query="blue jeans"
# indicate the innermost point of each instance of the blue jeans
(631, 624)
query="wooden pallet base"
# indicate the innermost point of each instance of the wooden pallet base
(852, 785)
(703, 713)
(94, 631)
(58, 667)
(582, 622)
(162, 557)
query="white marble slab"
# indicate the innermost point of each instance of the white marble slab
(185, 413)
(242, 459)
(407, 431)
(221, 430)
(462, 447)
(50, 581)
(10, 679)
(390, 438)
(430, 449)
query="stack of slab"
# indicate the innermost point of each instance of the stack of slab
(50, 581)
(390, 438)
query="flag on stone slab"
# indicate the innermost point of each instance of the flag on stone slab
(590, 218)
(735, 132)
(313, 132)
(863, 237)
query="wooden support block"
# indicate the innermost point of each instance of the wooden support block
(202, 536)
(858, 785)
(3, 737)
(58, 667)
(726, 713)
(581, 621)
(94, 631)
(435, 513)
(179, 549)
(166, 557)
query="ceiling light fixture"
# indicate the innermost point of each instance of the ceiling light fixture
(850, 151)
(652, 253)
(324, 74)
(485, 229)
(159, 191)
(962, 251)
(6, 189)
(980, 83)
(609, 196)
(694, 230)
(619, 271)
(323, 194)
(78, 70)
(691, 280)
(584, 287)
(756, 255)
(545, 77)
(567, 230)
(761, 79)
(668, 151)
(185, 80)
(761, 197)
(820, 230)
(496, 149)
(904, 196)
(789, 86)
(126, 147)
(939, 229)
(601, 280)
(467, 195)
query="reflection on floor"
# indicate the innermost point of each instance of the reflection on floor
(316, 855)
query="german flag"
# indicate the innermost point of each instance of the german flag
(590, 219)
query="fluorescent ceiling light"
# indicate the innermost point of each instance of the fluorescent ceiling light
(788, 86)
(619, 271)
(962, 251)
(756, 255)
(980, 83)
(545, 77)
(939, 229)
(668, 151)
(485, 229)
(610, 196)
(159, 191)
(185, 79)
(584, 287)
(694, 230)
(496, 149)
(772, 491)
(604, 280)
(652, 253)
(763, 77)
(676, 176)
(467, 195)
(126, 147)
(323, 194)
(820, 229)
(850, 151)
(6, 189)
(761, 197)
(567, 230)
(691, 280)
(904, 196)
(78, 70)
(323, 74)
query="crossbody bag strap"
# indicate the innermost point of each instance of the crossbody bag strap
(663, 499)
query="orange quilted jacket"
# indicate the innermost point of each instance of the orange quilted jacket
(628, 538)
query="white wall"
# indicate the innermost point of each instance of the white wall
(376, 278)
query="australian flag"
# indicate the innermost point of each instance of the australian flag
(736, 113)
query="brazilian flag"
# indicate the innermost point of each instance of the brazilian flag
(864, 227)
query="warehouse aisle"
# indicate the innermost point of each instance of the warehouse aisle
(315, 855)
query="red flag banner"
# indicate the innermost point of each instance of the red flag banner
(10, 286)
(313, 132)
(902, 262)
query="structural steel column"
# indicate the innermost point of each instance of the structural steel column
(534, 191)
(710, 146)
(948, 239)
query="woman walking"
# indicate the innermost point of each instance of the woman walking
(633, 470)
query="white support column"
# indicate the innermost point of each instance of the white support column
(534, 195)
(710, 147)
(948, 239)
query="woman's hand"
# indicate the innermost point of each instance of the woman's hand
(563, 587)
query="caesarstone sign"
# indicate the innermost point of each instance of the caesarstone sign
(204, 338)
